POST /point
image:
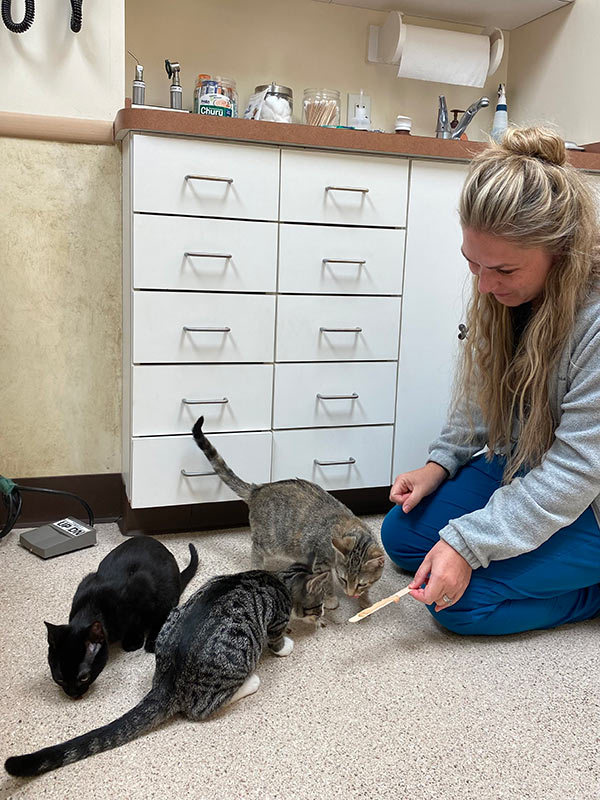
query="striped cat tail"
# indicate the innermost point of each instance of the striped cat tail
(227, 475)
(148, 714)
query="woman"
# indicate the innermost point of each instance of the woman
(509, 540)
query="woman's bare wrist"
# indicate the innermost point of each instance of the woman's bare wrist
(437, 470)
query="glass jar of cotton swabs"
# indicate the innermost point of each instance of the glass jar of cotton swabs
(321, 107)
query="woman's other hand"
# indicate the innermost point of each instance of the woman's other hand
(411, 487)
(445, 574)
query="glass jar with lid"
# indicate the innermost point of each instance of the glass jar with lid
(217, 96)
(321, 107)
(278, 102)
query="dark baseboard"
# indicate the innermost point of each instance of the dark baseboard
(211, 516)
(102, 492)
(105, 494)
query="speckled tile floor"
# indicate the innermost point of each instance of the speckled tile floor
(394, 707)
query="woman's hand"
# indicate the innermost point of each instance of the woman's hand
(411, 487)
(446, 575)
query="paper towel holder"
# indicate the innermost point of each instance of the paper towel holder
(386, 42)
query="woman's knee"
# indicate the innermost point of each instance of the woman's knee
(398, 539)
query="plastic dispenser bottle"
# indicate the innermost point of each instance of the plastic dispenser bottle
(360, 120)
(500, 123)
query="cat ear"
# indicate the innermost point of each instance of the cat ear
(374, 564)
(344, 545)
(316, 582)
(96, 633)
(53, 631)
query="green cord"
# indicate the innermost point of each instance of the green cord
(6, 485)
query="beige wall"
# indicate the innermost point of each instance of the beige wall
(298, 43)
(60, 383)
(60, 305)
(553, 72)
(51, 70)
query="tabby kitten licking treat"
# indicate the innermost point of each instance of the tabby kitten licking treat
(127, 599)
(297, 520)
(206, 654)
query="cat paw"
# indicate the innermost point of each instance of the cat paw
(331, 602)
(286, 648)
(249, 686)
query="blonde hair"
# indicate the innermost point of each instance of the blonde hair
(524, 191)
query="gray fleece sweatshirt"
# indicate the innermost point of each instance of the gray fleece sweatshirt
(521, 516)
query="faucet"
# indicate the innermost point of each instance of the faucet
(443, 129)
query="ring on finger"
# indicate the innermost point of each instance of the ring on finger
(446, 599)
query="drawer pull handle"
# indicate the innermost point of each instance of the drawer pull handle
(227, 256)
(345, 189)
(187, 474)
(208, 178)
(334, 463)
(340, 330)
(201, 402)
(189, 329)
(360, 262)
(352, 396)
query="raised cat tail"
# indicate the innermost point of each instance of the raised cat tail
(186, 575)
(227, 475)
(148, 714)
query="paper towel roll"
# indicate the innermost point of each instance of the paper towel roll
(431, 54)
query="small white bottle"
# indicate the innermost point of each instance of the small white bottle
(500, 123)
(360, 120)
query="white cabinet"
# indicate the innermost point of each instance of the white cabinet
(264, 289)
(436, 286)
(210, 179)
(343, 189)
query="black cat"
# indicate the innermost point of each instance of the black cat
(206, 654)
(127, 600)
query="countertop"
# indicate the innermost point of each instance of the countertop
(245, 130)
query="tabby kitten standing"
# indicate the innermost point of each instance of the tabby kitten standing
(299, 521)
(206, 654)
(127, 599)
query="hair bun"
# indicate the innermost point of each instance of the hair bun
(542, 143)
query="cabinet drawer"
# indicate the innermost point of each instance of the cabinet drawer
(369, 450)
(156, 478)
(223, 180)
(206, 254)
(343, 188)
(333, 260)
(240, 327)
(337, 329)
(168, 399)
(313, 395)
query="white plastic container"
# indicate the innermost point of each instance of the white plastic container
(402, 124)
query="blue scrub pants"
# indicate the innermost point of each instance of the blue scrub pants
(555, 584)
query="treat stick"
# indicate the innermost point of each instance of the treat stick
(393, 598)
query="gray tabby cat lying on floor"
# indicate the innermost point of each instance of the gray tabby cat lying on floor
(206, 653)
(299, 521)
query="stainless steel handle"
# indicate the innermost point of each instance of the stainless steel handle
(345, 189)
(187, 474)
(340, 330)
(352, 396)
(208, 255)
(208, 178)
(334, 463)
(188, 328)
(203, 402)
(358, 261)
